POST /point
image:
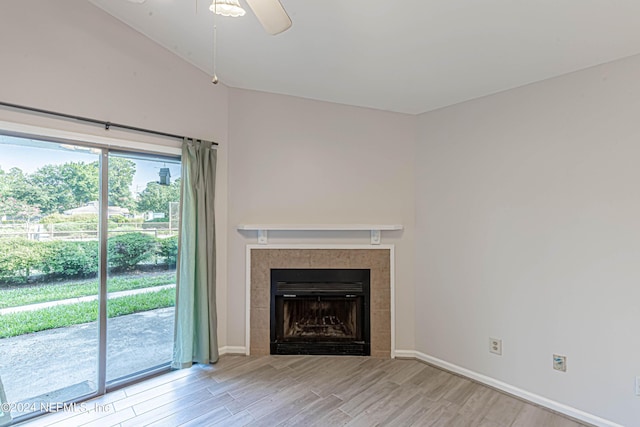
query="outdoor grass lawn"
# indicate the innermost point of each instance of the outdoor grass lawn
(14, 324)
(23, 295)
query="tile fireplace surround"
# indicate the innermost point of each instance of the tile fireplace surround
(263, 259)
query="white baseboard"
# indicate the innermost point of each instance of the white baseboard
(228, 349)
(507, 388)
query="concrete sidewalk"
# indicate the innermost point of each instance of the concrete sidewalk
(38, 306)
(63, 361)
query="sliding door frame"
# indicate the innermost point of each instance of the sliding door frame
(103, 235)
(106, 146)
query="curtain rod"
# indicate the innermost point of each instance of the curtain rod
(107, 125)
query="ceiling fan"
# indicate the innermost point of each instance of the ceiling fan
(270, 13)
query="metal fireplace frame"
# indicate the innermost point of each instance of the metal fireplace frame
(324, 284)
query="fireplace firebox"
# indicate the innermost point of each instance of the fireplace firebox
(320, 311)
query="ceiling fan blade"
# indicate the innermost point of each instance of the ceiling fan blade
(271, 15)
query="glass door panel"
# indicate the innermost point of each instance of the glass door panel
(49, 196)
(143, 218)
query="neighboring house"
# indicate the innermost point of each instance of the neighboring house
(93, 208)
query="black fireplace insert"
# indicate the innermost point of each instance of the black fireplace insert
(320, 311)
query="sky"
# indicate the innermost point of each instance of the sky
(30, 155)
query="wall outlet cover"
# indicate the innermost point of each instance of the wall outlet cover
(495, 346)
(560, 363)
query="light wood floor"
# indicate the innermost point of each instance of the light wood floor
(307, 391)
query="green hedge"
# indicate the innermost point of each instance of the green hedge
(70, 259)
(168, 249)
(130, 249)
(20, 258)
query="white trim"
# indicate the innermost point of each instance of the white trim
(247, 302)
(122, 143)
(392, 301)
(374, 229)
(508, 388)
(229, 349)
(320, 227)
(392, 282)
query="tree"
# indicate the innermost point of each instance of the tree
(121, 172)
(51, 179)
(74, 184)
(69, 185)
(82, 180)
(56, 188)
(156, 197)
(17, 209)
(17, 190)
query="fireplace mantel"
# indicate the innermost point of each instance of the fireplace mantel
(375, 229)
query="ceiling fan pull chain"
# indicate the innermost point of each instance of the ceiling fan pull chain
(214, 80)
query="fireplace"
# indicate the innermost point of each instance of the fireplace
(320, 311)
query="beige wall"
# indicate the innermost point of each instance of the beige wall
(298, 161)
(527, 218)
(69, 56)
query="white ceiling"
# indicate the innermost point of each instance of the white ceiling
(408, 56)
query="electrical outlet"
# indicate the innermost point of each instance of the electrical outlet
(637, 386)
(495, 346)
(560, 363)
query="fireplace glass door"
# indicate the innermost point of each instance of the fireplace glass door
(321, 319)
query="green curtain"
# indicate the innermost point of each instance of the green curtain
(195, 338)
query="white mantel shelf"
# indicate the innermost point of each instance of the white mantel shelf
(375, 229)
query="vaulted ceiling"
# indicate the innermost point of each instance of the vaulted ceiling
(408, 56)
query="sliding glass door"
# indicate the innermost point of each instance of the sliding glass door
(88, 248)
(142, 252)
(49, 195)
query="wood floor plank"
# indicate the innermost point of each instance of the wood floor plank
(406, 413)
(388, 406)
(460, 390)
(186, 375)
(488, 423)
(237, 420)
(285, 412)
(363, 400)
(306, 391)
(531, 415)
(433, 412)
(148, 415)
(163, 394)
(314, 411)
(406, 373)
(355, 384)
(334, 418)
(438, 385)
(208, 418)
(182, 417)
(246, 400)
(504, 409)
(276, 400)
(480, 402)
(425, 375)
(173, 402)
